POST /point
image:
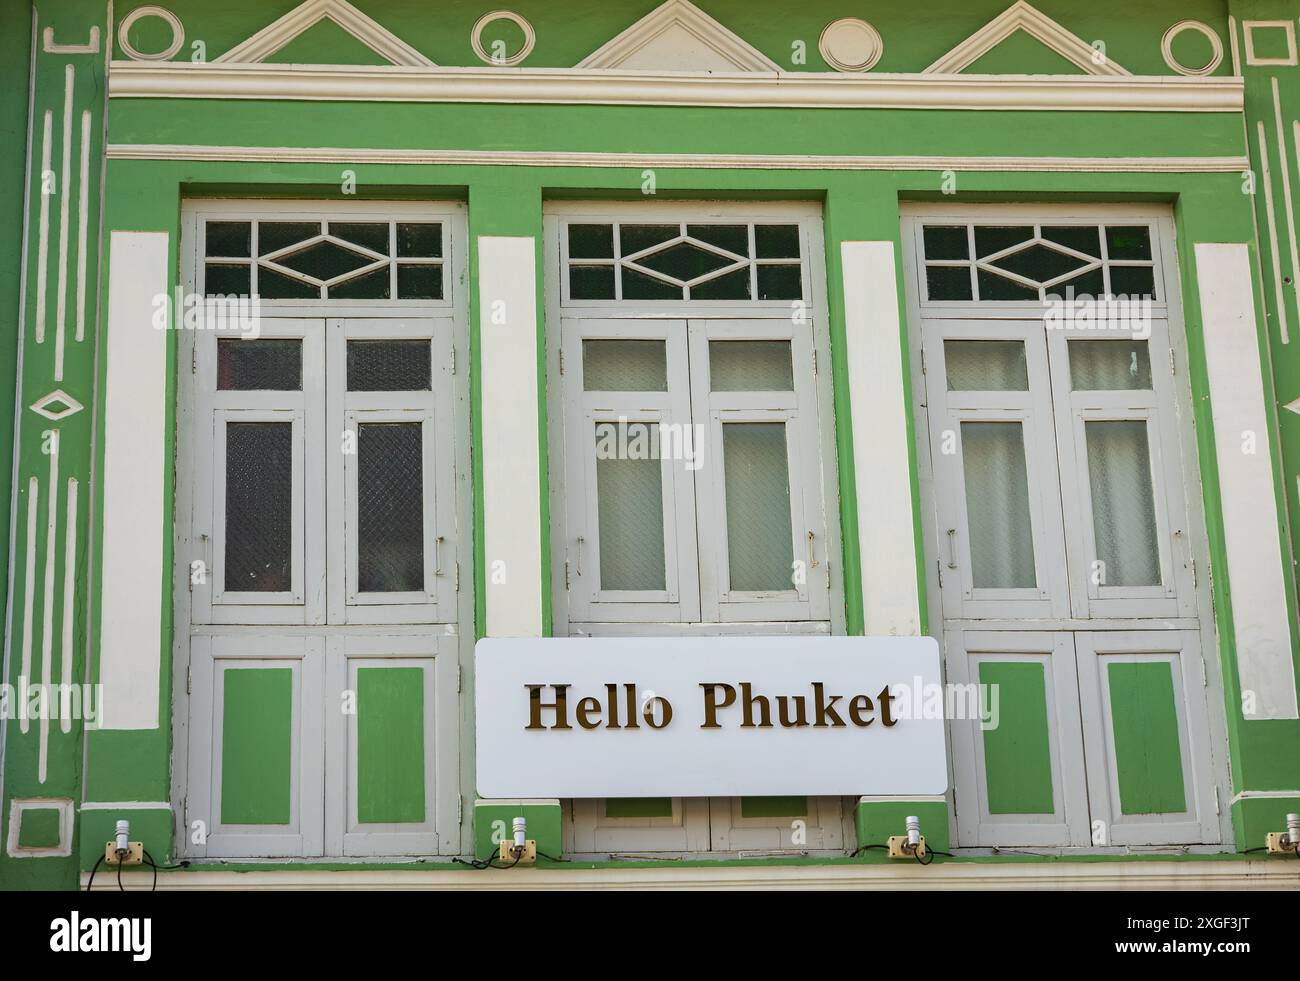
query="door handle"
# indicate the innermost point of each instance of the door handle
(952, 548)
(437, 555)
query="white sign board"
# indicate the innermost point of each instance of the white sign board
(709, 716)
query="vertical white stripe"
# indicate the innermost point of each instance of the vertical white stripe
(1251, 531)
(512, 520)
(135, 478)
(83, 222)
(1236, 47)
(65, 200)
(1271, 215)
(1282, 151)
(29, 590)
(43, 229)
(69, 593)
(878, 407)
(47, 609)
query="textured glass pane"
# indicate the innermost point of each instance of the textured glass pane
(324, 260)
(733, 238)
(273, 235)
(629, 499)
(390, 507)
(995, 287)
(389, 366)
(624, 366)
(228, 238)
(259, 507)
(639, 286)
(1123, 502)
(731, 286)
(948, 282)
(986, 366)
(419, 282)
(272, 285)
(756, 471)
(265, 364)
(777, 241)
(591, 282)
(1039, 263)
(946, 242)
(1133, 281)
(634, 238)
(1081, 238)
(1109, 365)
(377, 285)
(372, 235)
(591, 241)
(997, 505)
(780, 283)
(684, 261)
(1091, 283)
(995, 238)
(419, 239)
(750, 366)
(1128, 242)
(227, 280)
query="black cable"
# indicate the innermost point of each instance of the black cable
(120, 887)
(862, 848)
(551, 858)
(166, 868)
(98, 862)
(486, 863)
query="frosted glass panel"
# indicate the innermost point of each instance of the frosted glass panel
(757, 477)
(1109, 365)
(750, 366)
(986, 366)
(997, 505)
(1123, 502)
(624, 366)
(631, 515)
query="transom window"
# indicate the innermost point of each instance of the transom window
(1035, 261)
(657, 260)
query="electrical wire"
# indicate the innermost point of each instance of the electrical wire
(91, 881)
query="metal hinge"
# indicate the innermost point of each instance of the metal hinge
(814, 361)
(458, 678)
(1204, 679)
(189, 681)
(566, 574)
(453, 359)
(938, 565)
(1193, 563)
(194, 360)
(923, 361)
(1172, 369)
(1216, 798)
(457, 567)
(460, 809)
(561, 360)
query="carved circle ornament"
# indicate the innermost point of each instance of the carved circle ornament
(476, 38)
(1167, 47)
(174, 22)
(850, 45)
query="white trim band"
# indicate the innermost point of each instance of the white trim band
(820, 90)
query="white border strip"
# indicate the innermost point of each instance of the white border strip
(822, 90)
(703, 161)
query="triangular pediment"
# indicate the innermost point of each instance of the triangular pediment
(1022, 17)
(678, 36)
(305, 16)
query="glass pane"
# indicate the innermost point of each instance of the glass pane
(997, 505)
(389, 366)
(624, 366)
(639, 286)
(227, 280)
(757, 474)
(1081, 238)
(377, 285)
(419, 239)
(1133, 281)
(259, 506)
(390, 507)
(324, 260)
(995, 238)
(1090, 283)
(986, 366)
(948, 282)
(634, 238)
(591, 241)
(591, 282)
(419, 282)
(1128, 242)
(946, 242)
(372, 235)
(1039, 263)
(994, 287)
(264, 364)
(228, 238)
(730, 286)
(1123, 502)
(684, 261)
(629, 495)
(274, 235)
(780, 282)
(733, 238)
(1109, 365)
(776, 241)
(750, 366)
(272, 285)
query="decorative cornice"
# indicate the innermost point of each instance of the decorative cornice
(824, 90)
(685, 16)
(365, 29)
(1021, 16)
(702, 161)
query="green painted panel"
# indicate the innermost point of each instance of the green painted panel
(390, 745)
(771, 807)
(39, 828)
(326, 43)
(638, 807)
(1144, 721)
(1022, 54)
(256, 745)
(1018, 753)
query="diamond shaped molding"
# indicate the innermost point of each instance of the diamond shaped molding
(49, 405)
